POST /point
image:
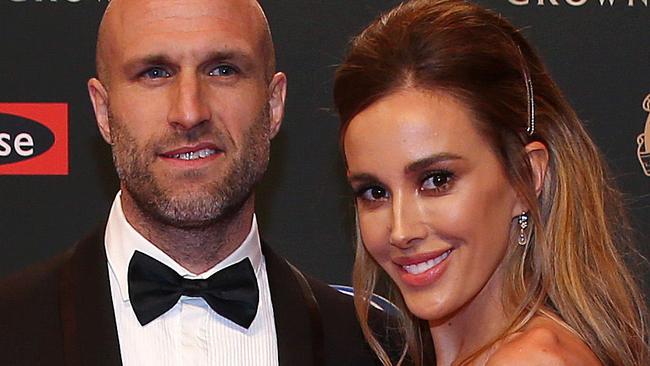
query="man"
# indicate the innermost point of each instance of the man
(188, 98)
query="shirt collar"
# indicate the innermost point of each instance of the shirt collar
(121, 240)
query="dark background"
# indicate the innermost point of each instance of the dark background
(597, 53)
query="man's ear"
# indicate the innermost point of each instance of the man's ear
(277, 97)
(538, 157)
(99, 98)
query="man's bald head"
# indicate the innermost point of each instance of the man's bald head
(189, 102)
(120, 13)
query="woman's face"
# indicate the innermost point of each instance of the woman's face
(435, 207)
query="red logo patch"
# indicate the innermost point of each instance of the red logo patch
(33, 139)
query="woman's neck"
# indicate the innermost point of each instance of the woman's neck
(473, 326)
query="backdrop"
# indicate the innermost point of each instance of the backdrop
(597, 51)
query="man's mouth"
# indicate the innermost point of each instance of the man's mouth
(193, 155)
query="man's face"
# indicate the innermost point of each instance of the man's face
(189, 110)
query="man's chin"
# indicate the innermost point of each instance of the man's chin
(188, 223)
(193, 210)
(185, 216)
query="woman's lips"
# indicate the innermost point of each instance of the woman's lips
(423, 269)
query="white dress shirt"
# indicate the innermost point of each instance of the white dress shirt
(190, 333)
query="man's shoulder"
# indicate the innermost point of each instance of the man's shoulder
(29, 315)
(37, 286)
(330, 301)
(329, 296)
(42, 276)
(343, 340)
(32, 283)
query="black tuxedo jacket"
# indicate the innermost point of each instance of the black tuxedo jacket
(60, 313)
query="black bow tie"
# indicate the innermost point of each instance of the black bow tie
(155, 288)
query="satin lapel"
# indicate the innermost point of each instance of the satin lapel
(292, 321)
(90, 333)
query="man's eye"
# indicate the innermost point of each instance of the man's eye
(223, 70)
(374, 193)
(156, 73)
(437, 181)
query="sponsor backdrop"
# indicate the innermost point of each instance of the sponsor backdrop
(56, 177)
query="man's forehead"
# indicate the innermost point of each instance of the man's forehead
(143, 11)
(133, 16)
(132, 27)
(127, 22)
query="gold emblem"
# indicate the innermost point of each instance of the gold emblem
(643, 140)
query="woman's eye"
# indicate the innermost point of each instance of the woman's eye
(223, 70)
(156, 73)
(437, 181)
(372, 193)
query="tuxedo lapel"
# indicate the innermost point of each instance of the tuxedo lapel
(90, 333)
(292, 317)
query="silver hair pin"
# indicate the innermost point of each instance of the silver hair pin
(531, 104)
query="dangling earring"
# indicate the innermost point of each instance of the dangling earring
(522, 220)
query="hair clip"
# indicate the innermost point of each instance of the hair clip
(531, 104)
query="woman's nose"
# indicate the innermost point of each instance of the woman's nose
(407, 226)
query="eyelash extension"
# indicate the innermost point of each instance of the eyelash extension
(358, 192)
(361, 191)
(431, 173)
(448, 174)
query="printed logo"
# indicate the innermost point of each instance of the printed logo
(33, 138)
(643, 141)
(608, 3)
(54, 1)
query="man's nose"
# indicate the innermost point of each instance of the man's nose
(408, 225)
(189, 106)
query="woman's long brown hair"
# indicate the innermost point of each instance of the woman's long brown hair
(573, 267)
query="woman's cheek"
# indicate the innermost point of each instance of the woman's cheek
(375, 233)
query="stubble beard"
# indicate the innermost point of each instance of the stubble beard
(213, 203)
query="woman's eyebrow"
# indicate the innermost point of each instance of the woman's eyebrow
(430, 160)
(362, 177)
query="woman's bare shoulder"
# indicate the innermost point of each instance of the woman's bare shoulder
(543, 342)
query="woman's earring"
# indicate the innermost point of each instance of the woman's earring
(523, 225)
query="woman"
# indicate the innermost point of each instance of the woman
(481, 196)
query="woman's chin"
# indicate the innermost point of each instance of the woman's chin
(427, 306)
